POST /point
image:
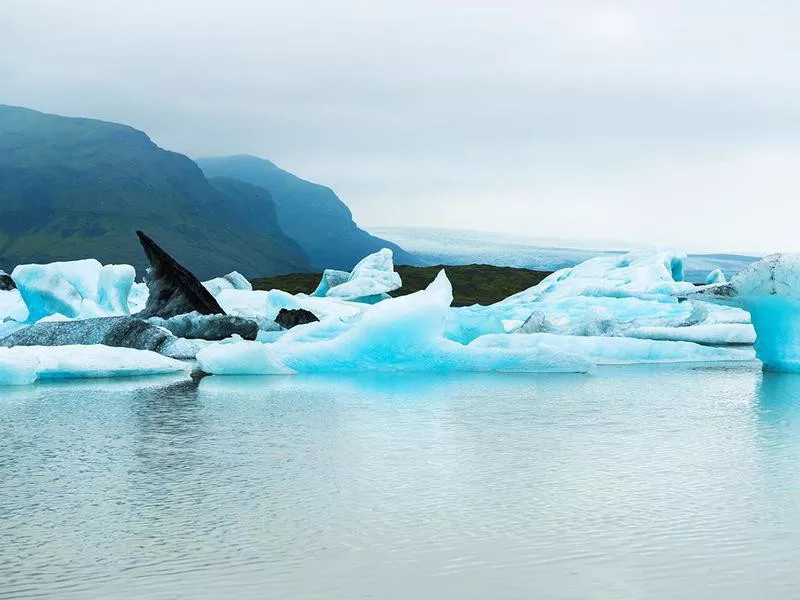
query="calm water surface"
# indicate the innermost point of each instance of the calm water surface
(633, 483)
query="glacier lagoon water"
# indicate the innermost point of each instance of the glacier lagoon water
(631, 483)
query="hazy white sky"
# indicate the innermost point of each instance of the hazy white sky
(654, 121)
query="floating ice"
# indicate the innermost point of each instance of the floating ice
(265, 304)
(717, 334)
(400, 334)
(232, 281)
(615, 350)
(370, 280)
(137, 298)
(330, 279)
(716, 276)
(605, 296)
(608, 310)
(770, 291)
(12, 306)
(26, 364)
(75, 289)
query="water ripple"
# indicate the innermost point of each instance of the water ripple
(635, 483)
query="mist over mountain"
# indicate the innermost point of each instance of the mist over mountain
(309, 213)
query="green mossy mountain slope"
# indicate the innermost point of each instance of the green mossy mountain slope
(309, 213)
(75, 188)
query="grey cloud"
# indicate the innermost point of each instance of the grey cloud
(452, 113)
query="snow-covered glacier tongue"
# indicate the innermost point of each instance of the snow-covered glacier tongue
(770, 291)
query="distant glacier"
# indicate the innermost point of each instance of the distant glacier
(434, 246)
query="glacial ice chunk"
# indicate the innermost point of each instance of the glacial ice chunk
(370, 279)
(232, 281)
(716, 276)
(608, 296)
(717, 334)
(770, 291)
(615, 350)
(74, 289)
(25, 364)
(400, 334)
(12, 306)
(330, 279)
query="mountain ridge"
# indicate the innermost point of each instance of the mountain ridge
(310, 213)
(72, 187)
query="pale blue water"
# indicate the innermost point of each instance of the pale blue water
(634, 483)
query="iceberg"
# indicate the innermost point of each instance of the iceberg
(600, 350)
(74, 289)
(770, 291)
(400, 334)
(716, 276)
(12, 306)
(606, 296)
(232, 281)
(23, 365)
(172, 289)
(370, 280)
(330, 279)
(717, 334)
(609, 310)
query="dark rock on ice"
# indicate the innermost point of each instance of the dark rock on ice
(173, 289)
(291, 317)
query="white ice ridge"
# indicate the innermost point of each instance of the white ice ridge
(770, 291)
(610, 296)
(12, 307)
(232, 281)
(23, 365)
(370, 280)
(74, 289)
(408, 334)
(609, 310)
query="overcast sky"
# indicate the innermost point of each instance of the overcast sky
(655, 121)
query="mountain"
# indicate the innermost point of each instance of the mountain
(75, 188)
(309, 213)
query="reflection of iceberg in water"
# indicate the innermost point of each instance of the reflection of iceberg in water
(778, 396)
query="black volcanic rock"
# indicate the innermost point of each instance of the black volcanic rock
(6, 283)
(291, 317)
(173, 289)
